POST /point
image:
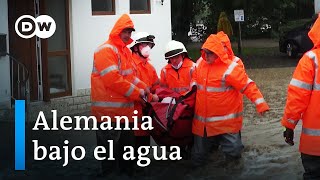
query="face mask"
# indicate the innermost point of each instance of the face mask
(178, 66)
(145, 51)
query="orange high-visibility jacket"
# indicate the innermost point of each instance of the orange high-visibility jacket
(303, 97)
(178, 80)
(219, 103)
(114, 88)
(227, 44)
(147, 74)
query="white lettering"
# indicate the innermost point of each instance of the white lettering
(43, 123)
(65, 120)
(128, 155)
(36, 149)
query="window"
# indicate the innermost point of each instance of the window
(140, 7)
(102, 7)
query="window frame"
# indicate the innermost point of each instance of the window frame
(99, 13)
(141, 11)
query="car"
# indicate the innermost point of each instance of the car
(296, 40)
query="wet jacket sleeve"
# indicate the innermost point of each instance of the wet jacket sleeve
(299, 92)
(155, 81)
(194, 77)
(241, 82)
(134, 79)
(106, 63)
(163, 81)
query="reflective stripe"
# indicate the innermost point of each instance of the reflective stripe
(259, 101)
(316, 87)
(212, 89)
(94, 69)
(199, 61)
(173, 53)
(313, 56)
(200, 118)
(126, 72)
(236, 59)
(108, 69)
(218, 118)
(113, 104)
(180, 89)
(107, 46)
(193, 84)
(300, 84)
(164, 73)
(129, 92)
(221, 89)
(136, 81)
(248, 82)
(115, 50)
(192, 69)
(291, 121)
(228, 71)
(311, 132)
(200, 87)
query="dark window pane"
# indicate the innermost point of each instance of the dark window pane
(102, 5)
(58, 41)
(139, 5)
(58, 76)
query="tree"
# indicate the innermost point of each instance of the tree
(182, 15)
(262, 17)
(224, 24)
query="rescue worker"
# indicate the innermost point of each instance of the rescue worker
(114, 88)
(177, 74)
(228, 49)
(219, 106)
(141, 46)
(303, 100)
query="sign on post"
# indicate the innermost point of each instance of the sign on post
(239, 15)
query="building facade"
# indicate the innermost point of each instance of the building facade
(59, 67)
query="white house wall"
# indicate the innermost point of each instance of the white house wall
(88, 32)
(317, 6)
(4, 62)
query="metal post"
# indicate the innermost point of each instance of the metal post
(239, 41)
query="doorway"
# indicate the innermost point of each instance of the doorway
(48, 60)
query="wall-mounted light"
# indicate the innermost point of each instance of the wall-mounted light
(162, 2)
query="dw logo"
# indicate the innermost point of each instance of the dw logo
(27, 26)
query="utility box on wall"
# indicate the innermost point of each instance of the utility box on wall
(3, 44)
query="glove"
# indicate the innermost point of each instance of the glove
(155, 98)
(288, 136)
(142, 93)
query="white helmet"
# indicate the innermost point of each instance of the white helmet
(174, 48)
(142, 37)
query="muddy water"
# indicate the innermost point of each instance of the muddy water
(266, 155)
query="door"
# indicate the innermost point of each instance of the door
(24, 50)
(48, 60)
(58, 66)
